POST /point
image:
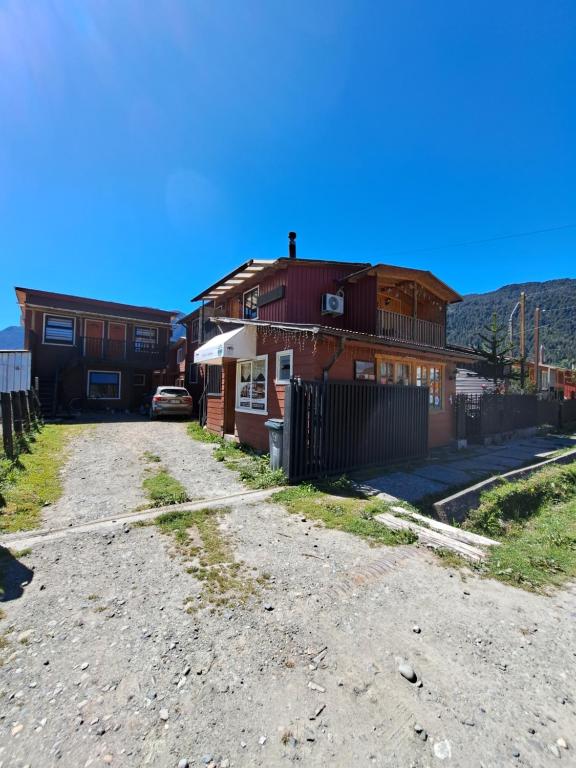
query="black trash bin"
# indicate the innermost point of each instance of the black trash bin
(276, 441)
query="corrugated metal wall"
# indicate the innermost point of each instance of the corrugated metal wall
(15, 371)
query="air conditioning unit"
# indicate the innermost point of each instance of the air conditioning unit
(332, 304)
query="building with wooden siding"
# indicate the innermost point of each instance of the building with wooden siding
(317, 320)
(91, 354)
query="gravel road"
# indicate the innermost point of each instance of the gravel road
(103, 666)
(104, 474)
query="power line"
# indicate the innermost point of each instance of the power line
(485, 240)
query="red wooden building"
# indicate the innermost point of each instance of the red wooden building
(93, 354)
(272, 320)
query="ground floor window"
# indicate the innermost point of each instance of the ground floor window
(364, 370)
(252, 385)
(431, 377)
(283, 366)
(402, 373)
(139, 379)
(386, 372)
(214, 380)
(104, 385)
(193, 374)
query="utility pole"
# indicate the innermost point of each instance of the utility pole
(537, 348)
(522, 339)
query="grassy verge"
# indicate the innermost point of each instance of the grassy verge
(335, 506)
(199, 539)
(33, 480)
(253, 468)
(535, 521)
(163, 489)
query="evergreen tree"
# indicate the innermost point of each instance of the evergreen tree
(494, 346)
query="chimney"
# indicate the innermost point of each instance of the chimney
(292, 244)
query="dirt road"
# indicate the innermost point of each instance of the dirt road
(103, 665)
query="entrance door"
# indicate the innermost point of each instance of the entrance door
(229, 398)
(93, 337)
(117, 341)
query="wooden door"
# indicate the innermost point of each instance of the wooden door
(229, 370)
(93, 337)
(117, 340)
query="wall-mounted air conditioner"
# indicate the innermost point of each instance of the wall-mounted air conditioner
(332, 304)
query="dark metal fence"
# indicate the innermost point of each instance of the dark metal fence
(480, 416)
(20, 416)
(332, 427)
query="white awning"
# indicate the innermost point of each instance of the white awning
(237, 344)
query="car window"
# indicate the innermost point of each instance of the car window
(179, 391)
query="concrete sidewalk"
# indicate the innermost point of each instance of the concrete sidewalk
(448, 469)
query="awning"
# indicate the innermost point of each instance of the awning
(238, 344)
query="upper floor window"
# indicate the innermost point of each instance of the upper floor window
(250, 304)
(180, 354)
(145, 339)
(195, 330)
(58, 330)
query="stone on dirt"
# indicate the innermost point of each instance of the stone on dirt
(442, 749)
(407, 672)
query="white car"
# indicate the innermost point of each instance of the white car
(171, 401)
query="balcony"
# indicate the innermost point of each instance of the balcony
(397, 327)
(137, 353)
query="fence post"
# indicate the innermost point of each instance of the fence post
(26, 423)
(37, 406)
(7, 428)
(17, 416)
(287, 437)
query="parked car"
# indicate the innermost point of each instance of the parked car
(171, 401)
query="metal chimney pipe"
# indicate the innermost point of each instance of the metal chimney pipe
(292, 244)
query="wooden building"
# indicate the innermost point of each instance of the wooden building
(316, 319)
(93, 354)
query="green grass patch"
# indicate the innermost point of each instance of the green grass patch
(163, 489)
(33, 480)
(253, 468)
(535, 522)
(199, 538)
(349, 513)
(153, 457)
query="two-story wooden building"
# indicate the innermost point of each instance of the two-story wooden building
(93, 354)
(318, 319)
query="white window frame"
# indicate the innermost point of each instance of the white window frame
(103, 398)
(145, 341)
(283, 353)
(62, 317)
(250, 290)
(253, 411)
(141, 383)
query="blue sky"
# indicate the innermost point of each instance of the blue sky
(146, 148)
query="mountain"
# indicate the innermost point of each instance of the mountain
(12, 337)
(558, 320)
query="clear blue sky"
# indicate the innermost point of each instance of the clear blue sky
(146, 148)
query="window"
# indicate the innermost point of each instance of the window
(250, 304)
(104, 385)
(403, 373)
(180, 383)
(195, 330)
(427, 376)
(193, 375)
(214, 380)
(180, 354)
(284, 366)
(386, 372)
(252, 384)
(145, 339)
(58, 330)
(364, 370)
(139, 379)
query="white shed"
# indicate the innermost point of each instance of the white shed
(15, 370)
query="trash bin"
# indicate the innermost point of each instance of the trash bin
(276, 441)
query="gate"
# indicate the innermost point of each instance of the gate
(332, 427)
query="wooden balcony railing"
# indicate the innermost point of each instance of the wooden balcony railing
(397, 327)
(118, 350)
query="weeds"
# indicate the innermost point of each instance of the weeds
(163, 489)
(225, 581)
(33, 480)
(349, 514)
(253, 468)
(153, 457)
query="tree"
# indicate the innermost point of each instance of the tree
(494, 347)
